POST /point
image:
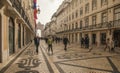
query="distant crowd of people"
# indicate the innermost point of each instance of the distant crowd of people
(84, 41)
(49, 41)
(109, 44)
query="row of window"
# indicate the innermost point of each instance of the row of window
(104, 19)
(80, 12)
(93, 37)
(94, 2)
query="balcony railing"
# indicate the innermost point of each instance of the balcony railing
(105, 25)
(21, 11)
(116, 23)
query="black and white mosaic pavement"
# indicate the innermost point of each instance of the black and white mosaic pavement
(74, 60)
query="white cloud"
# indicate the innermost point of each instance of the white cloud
(48, 8)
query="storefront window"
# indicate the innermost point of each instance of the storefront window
(11, 37)
(93, 38)
(103, 38)
(19, 36)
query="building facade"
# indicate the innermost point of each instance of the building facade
(16, 27)
(97, 19)
(51, 27)
(40, 27)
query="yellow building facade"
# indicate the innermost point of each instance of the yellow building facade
(97, 19)
(16, 27)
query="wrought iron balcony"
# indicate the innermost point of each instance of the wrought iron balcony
(117, 23)
(21, 11)
(100, 26)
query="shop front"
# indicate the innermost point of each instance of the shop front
(116, 35)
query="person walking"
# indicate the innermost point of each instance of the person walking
(49, 42)
(82, 42)
(107, 45)
(65, 42)
(46, 39)
(86, 42)
(36, 42)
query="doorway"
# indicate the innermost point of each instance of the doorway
(19, 36)
(11, 36)
(116, 36)
(103, 38)
(94, 39)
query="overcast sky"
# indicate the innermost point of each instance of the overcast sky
(48, 8)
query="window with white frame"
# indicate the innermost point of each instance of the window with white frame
(81, 10)
(76, 13)
(104, 17)
(117, 13)
(94, 4)
(80, 24)
(86, 22)
(104, 2)
(76, 25)
(72, 15)
(94, 20)
(87, 8)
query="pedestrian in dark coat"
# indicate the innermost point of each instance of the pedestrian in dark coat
(82, 42)
(65, 42)
(46, 39)
(86, 42)
(36, 42)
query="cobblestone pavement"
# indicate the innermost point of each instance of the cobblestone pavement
(80, 60)
(28, 62)
(74, 60)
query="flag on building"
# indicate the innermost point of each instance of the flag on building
(35, 11)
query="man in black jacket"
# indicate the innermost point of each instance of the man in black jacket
(65, 42)
(36, 42)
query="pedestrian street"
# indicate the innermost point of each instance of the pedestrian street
(74, 60)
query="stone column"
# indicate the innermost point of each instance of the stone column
(74, 38)
(90, 38)
(15, 34)
(70, 37)
(5, 35)
(98, 38)
(78, 36)
(21, 36)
